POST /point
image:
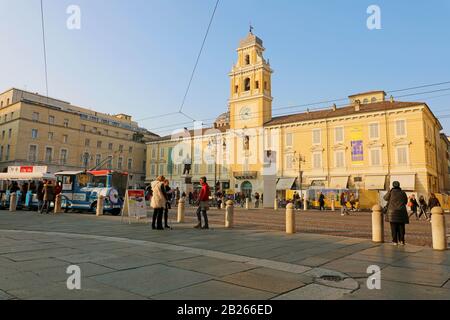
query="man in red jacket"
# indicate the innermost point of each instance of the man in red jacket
(203, 204)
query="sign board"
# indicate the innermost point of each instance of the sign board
(356, 136)
(27, 169)
(135, 205)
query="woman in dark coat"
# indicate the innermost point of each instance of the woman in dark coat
(397, 214)
(414, 206)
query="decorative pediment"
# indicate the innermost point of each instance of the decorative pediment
(401, 142)
(375, 144)
(340, 146)
(317, 149)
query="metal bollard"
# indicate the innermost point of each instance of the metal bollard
(377, 224)
(275, 204)
(181, 210)
(290, 219)
(247, 203)
(438, 229)
(13, 202)
(100, 203)
(333, 207)
(229, 215)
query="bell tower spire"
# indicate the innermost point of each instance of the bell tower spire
(250, 101)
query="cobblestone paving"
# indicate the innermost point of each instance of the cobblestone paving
(357, 225)
(130, 261)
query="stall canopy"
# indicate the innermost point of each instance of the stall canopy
(285, 183)
(339, 182)
(375, 182)
(407, 181)
(27, 176)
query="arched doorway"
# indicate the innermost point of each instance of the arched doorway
(247, 188)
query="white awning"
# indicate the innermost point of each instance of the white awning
(339, 182)
(285, 184)
(375, 182)
(27, 176)
(407, 181)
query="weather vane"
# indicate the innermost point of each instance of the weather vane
(251, 28)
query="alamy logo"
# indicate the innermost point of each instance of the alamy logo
(74, 20)
(374, 281)
(74, 280)
(374, 20)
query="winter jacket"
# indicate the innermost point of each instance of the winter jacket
(159, 196)
(204, 193)
(396, 209)
(49, 192)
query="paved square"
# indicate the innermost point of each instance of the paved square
(122, 261)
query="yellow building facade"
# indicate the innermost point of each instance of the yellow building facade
(36, 130)
(366, 144)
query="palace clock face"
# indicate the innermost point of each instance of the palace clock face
(245, 113)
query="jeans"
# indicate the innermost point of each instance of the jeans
(398, 232)
(157, 218)
(201, 212)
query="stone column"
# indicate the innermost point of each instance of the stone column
(181, 210)
(290, 219)
(229, 215)
(275, 204)
(58, 199)
(100, 200)
(438, 229)
(377, 224)
(13, 202)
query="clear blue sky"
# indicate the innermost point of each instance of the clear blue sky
(136, 56)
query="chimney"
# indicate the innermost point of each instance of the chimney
(392, 99)
(357, 105)
(334, 107)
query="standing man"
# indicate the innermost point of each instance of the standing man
(49, 196)
(257, 200)
(168, 206)
(322, 201)
(343, 201)
(158, 202)
(203, 205)
(396, 213)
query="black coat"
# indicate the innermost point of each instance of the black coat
(396, 209)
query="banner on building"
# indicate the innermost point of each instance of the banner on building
(356, 137)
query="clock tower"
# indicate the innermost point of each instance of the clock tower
(250, 101)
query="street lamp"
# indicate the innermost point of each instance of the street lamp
(301, 160)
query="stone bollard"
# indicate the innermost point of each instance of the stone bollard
(181, 210)
(305, 205)
(438, 229)
(223, 205)
(100, 203)
(333, 208)
(275, 204)
(229, 215)
(13, 202)
(247, 203)
(58, 199)
(377, 224)
(290, 219)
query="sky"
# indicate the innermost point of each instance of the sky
(136, 57)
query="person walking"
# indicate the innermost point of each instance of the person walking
(168, 206)
(352, 201)
(158, 202)
(423, 208)
(343, 202)
(397, 214)
(257, 200)
(203, 205)
(40, 195)
(49, 196)
(322, 201)
(414, 206)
